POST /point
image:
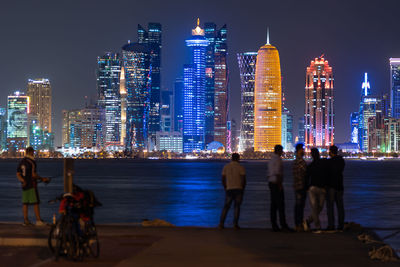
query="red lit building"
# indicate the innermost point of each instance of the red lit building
(319, 111)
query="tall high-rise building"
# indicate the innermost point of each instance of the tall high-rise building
(247, 69)
(216, 83)
(319, 111)
(368, 107)
(194, 93)
(178, 105)
(40, 99)
(122, 93)
(136, 60)
(152, 39)
(17, 121)
(287, 130)
(267, 99)
(165, 111)
(109, 99)
(354, 127)
(395, 86)
(3, 129)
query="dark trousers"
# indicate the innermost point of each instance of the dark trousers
(235, 195)
(277, 205)
(300, 196)
(335, 197)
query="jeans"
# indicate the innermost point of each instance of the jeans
(335, 197)
(235, 195)
(300, 196)
(277, 205)
(317, 199)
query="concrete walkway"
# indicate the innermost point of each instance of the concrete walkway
(126, 245)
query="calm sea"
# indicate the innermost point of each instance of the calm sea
(189, 193)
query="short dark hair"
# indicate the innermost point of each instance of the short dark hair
(315, 153)
(235, 156)
(299, 146)
(278, 148)
(333, 149)
(29, 150)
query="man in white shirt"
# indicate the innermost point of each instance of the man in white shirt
(275, 180)
(234, 182)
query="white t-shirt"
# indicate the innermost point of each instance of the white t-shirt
(233, 172)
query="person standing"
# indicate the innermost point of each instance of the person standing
(275, 183)
(335, 189)
(27, 175)
(299, 184)
(316, 179)
(234, 182)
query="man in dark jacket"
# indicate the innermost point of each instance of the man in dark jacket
(316, 179)
(335, 189)
(299, 184)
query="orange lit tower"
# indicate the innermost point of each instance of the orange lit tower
(267, 99)
(319, 113)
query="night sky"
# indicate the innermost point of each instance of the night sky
(60, 40)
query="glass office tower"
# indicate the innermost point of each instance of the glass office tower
(247, 69)
(395, 86)
(152, 39)
(178, 105)
(216, 84)
(319, 112)
(109, 99)
(194, 93)
(136, 60)
(354, 127)
(40, 97)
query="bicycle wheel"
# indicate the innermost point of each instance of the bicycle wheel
(54, 234)
(93, 240)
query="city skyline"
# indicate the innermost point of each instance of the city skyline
(341, 57)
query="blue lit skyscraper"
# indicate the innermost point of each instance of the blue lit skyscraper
(3, 129)
(178, 105)
(194, 93)
(108, 87)
(137, 66)
(395, 86)
(17, 121)
(152, 39)
(354, 127)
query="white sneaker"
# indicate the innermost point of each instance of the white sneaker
(40, 223)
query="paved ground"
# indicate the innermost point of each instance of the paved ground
(124, 245)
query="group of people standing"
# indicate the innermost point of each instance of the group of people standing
(322, 179)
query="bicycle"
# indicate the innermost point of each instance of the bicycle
(70, 235)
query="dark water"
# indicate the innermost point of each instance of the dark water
(189, 193)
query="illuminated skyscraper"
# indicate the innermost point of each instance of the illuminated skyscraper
(301, 131)
(152, 39)
(287, 130)
(136, 62)
(267, 99)
(354, 120)
(247, 69)
(109, 99)
(194, 93)
(368, 107)
(122, 93)
(178, 105)
(395, 86)
(216, 84)
(319, 112)
(3, 129)
(17, 121)
(39, 93)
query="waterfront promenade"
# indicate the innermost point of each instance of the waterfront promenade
(129, 245)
